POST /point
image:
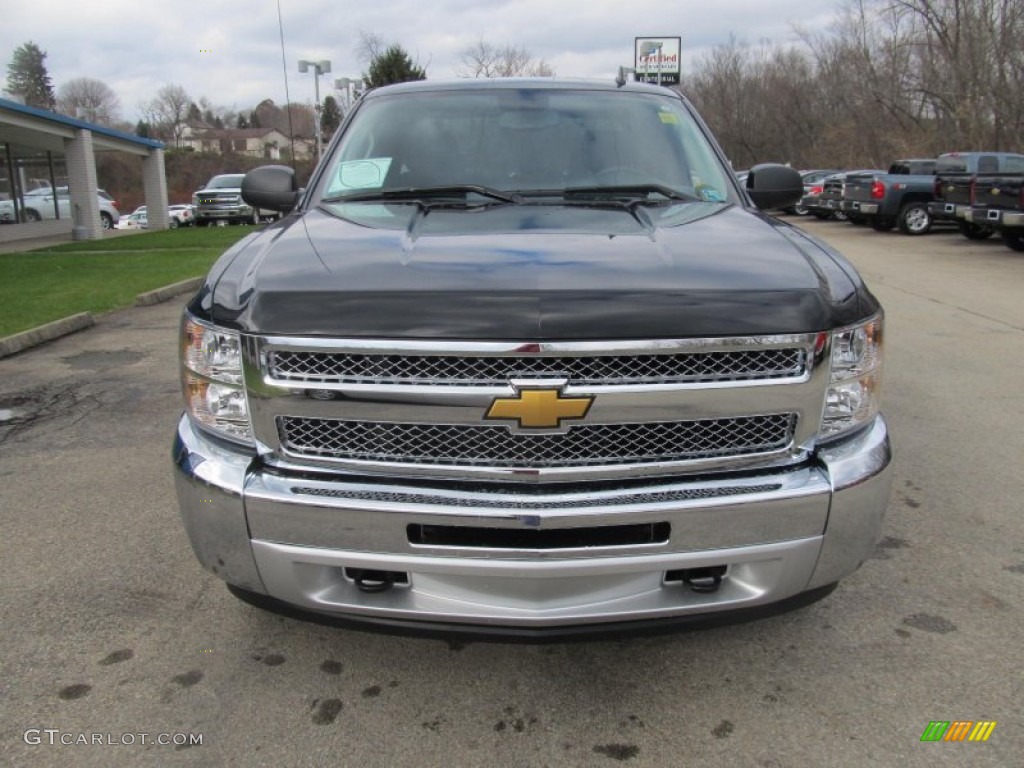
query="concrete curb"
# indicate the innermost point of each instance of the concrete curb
(10, 345)
(168, 292)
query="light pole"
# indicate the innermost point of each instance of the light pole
(319, 68)
(350, 87)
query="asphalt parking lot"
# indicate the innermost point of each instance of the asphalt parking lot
(111, 628)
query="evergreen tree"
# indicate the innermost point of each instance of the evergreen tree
(330, 117)
(242, 121)
(392, 66)
(142, 129)
(27, 77)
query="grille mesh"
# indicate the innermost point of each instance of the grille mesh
(350, 368)
(498, 446)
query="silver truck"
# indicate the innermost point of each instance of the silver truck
(220, 202)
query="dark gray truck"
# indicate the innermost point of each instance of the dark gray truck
(525, 359)
(998, 203)
(955, 177)
(898, 198)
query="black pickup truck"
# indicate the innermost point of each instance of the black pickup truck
(829, 205)
(898, 198)
(998, 203)
(955, 176)
(525, 358)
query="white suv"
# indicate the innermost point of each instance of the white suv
(37, 204)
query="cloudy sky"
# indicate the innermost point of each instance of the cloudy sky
(229, 51)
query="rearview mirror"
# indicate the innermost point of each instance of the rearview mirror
(272, 187)
(773, 186)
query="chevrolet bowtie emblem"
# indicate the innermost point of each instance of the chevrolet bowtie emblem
(539, 408)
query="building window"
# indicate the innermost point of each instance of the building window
(33, 185)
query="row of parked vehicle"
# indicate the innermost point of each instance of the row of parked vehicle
(980, 193)
(177, 216)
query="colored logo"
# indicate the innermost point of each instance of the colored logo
(958, 730)
(539, 408)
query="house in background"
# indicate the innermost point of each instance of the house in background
(253, 142)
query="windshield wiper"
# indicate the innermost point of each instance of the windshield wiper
(630, 190)
(414, 194)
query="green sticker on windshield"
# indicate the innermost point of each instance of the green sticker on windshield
(360, 174)
(669, 118)
(709, 194)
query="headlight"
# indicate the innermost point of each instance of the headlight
(855, 385)
(215, 398)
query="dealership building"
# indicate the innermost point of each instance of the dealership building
(42, 152)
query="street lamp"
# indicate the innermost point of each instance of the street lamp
(647, 47)
(319, 68)
(350, 87)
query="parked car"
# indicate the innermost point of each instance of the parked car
(177, 215)
(134, 220)
(899, 197)
(220, 202)
(38, 204)
(181, 216)
(849, 210)
(811, 181)
(829, 204)
(525, 358)
(955, 174)
(811, 200)
(998, 203)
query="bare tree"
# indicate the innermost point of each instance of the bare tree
(370, 46)
(484, 59)
(89, 99)
(168, 113)
(969, 67)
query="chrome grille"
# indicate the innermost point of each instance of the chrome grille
(498, 446)
(359, 368)
(537, 501)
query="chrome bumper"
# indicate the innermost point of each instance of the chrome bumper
(778, 534)
(996, 217)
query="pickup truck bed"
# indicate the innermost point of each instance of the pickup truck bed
(998, 203)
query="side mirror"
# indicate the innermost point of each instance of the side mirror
(272, 187)
(773, 186)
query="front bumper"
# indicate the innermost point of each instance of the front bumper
(223, 212)
(299, 539)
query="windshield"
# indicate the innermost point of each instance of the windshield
(526, 142)
(233, 181)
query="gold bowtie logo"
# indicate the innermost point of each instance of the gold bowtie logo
(539, 408)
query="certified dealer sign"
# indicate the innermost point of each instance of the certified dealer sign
(657, 59)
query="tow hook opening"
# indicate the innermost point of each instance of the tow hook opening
(704, 580)
(370, 580)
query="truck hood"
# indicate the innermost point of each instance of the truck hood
(545, 272)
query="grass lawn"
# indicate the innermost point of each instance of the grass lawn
(100, 275)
